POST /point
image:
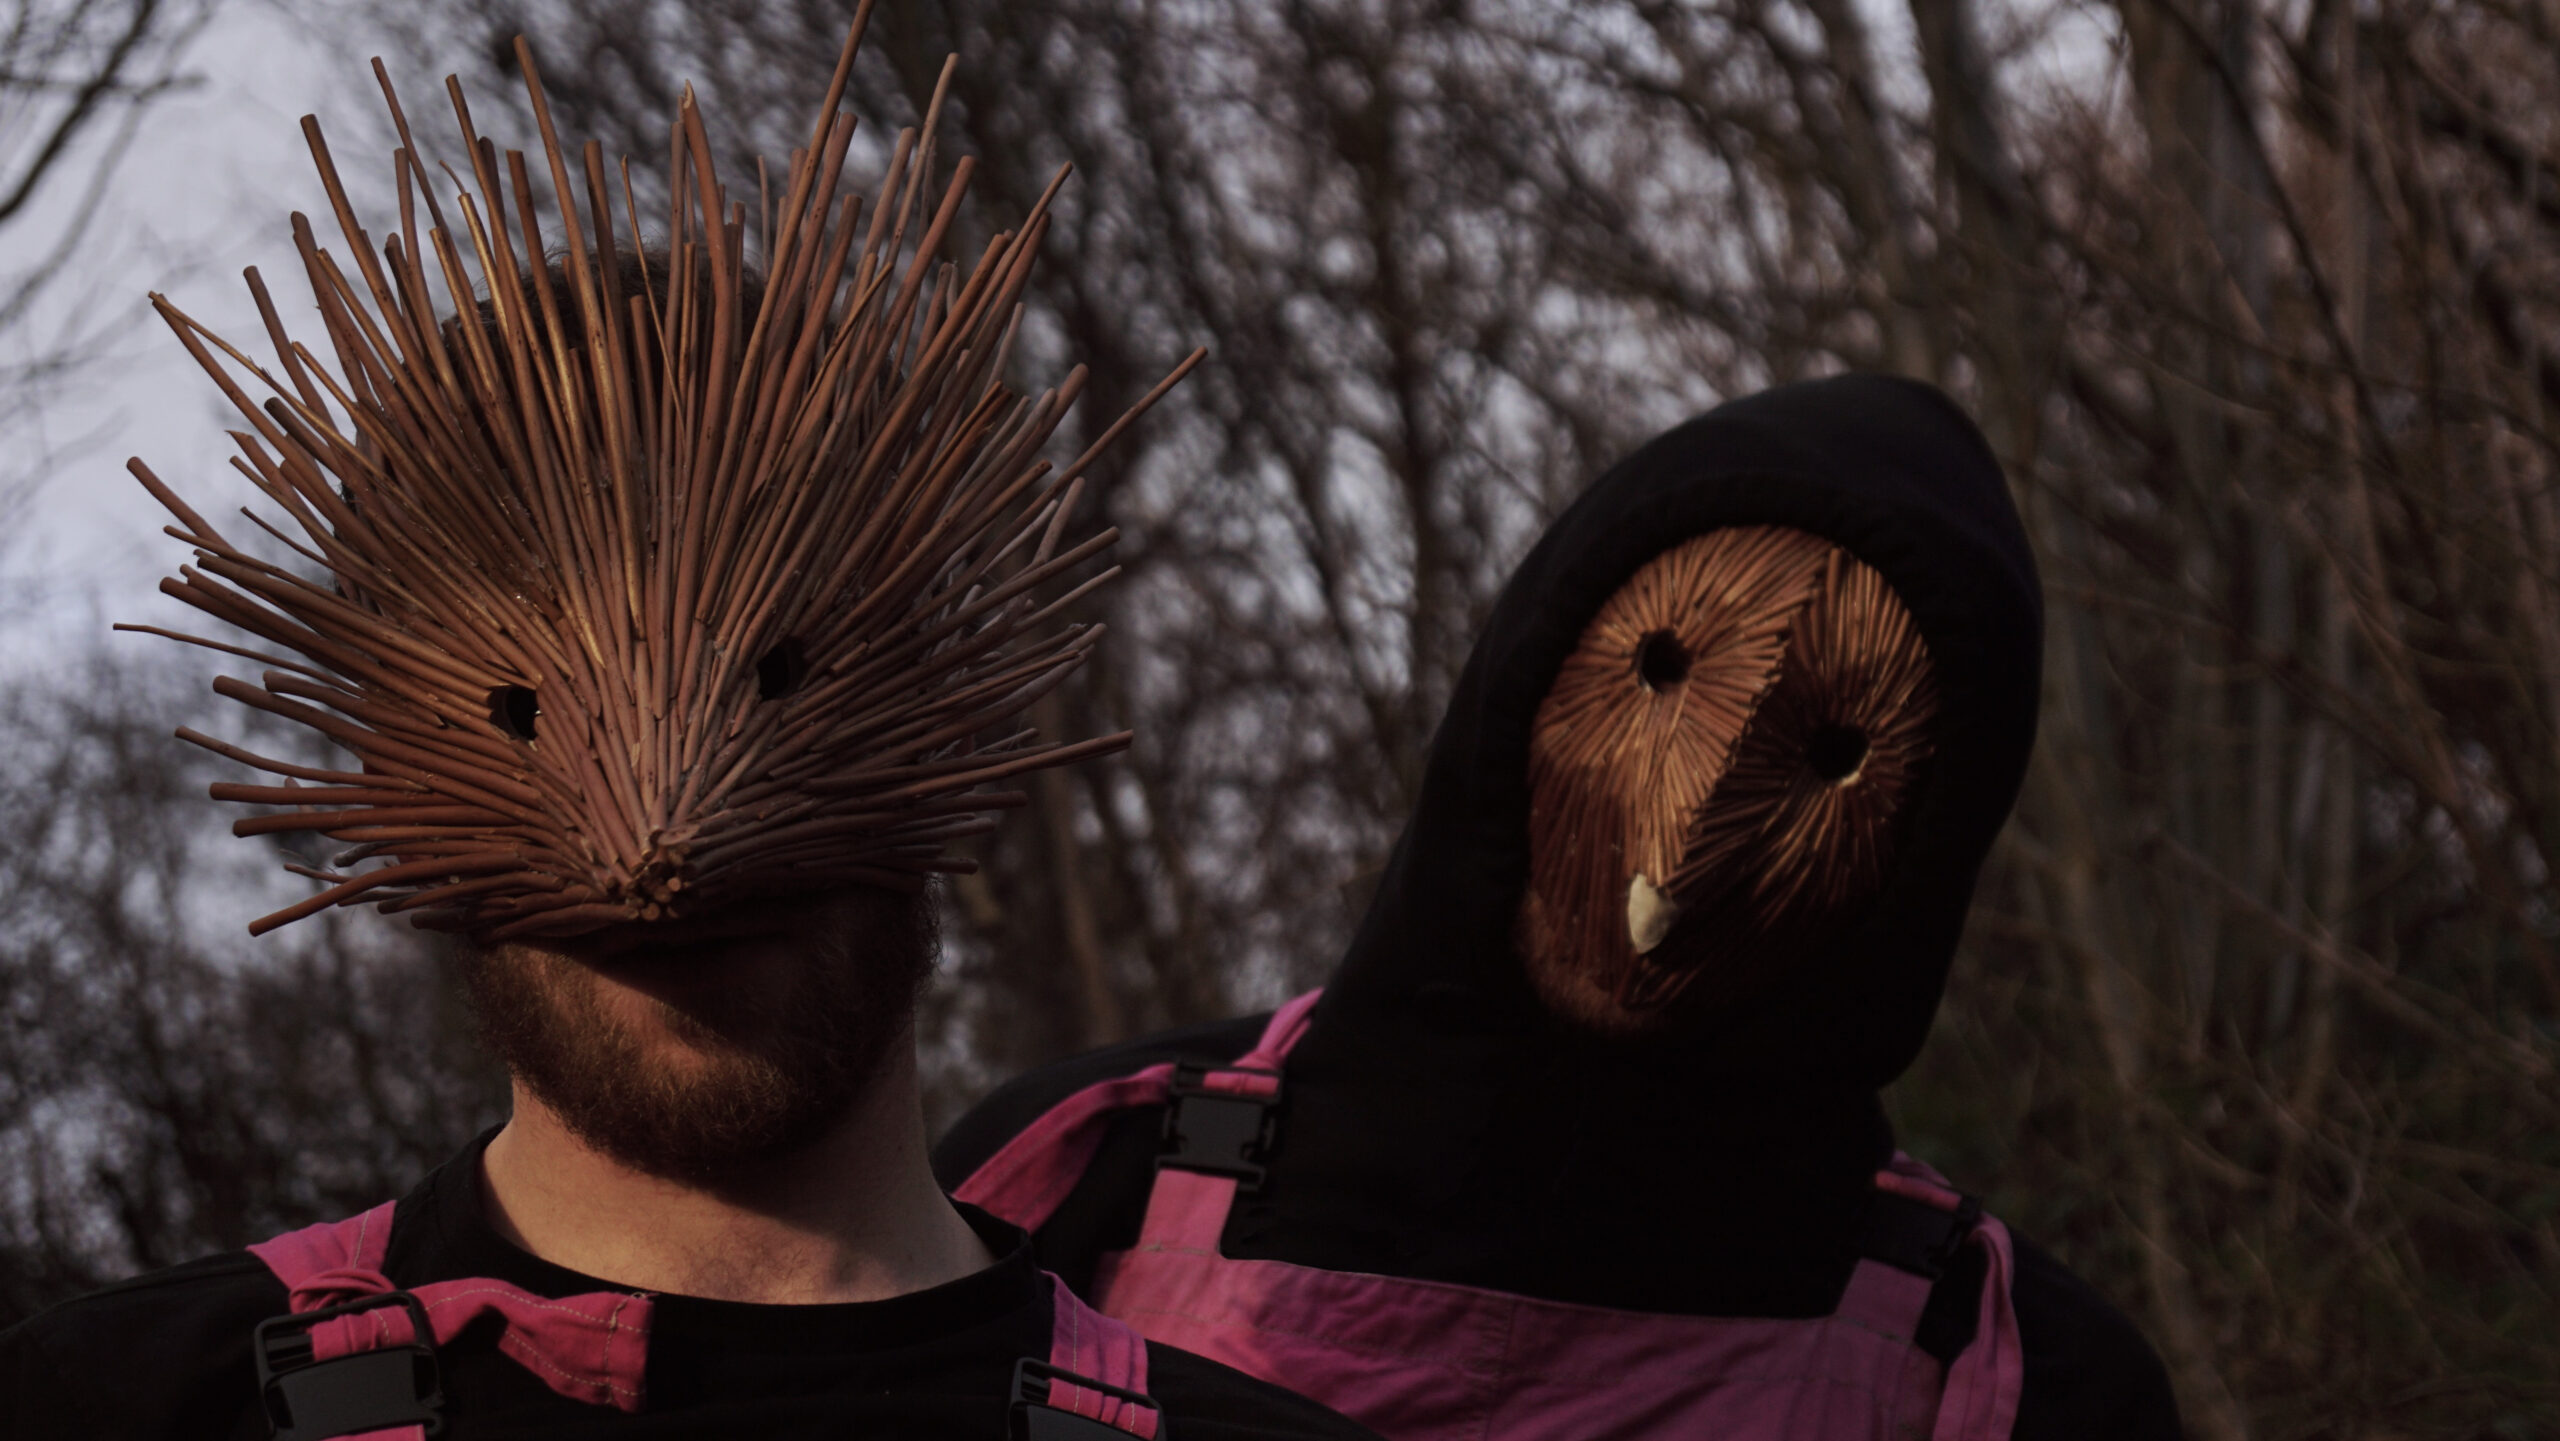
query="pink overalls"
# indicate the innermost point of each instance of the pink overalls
(355, 1358)
(1430, 1361)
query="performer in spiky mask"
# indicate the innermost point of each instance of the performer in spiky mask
(656, 585)
(674, 614)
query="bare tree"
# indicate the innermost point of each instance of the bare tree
(163, 1091)
(2260, 1018)
(168, 1088)
(76, 79)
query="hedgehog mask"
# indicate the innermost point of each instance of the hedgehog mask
(647, 586)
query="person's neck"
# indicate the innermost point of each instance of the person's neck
(853, 1216)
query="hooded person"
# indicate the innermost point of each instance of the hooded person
(674, 618)
(1583, 1138)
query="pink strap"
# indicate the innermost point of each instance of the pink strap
(1981, 1399)
(1187, 1210)
(1288, 1026)
(1980, 1402)
(1885, 1299)
(1087, 1344)
(592, 1348)
(1027, 1179)
(1920, 1182)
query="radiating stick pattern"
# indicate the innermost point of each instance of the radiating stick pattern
(1715, 772)
(652, 581)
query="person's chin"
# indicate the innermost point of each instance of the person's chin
(680, 1064)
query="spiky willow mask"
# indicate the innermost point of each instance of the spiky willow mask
(650, 585)
(1714, 775)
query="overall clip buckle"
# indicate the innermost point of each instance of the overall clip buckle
(1224, 1133)
(390, 1386)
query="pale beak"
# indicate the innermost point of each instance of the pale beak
(1650, 913)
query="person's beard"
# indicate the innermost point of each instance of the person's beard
(762, 1069)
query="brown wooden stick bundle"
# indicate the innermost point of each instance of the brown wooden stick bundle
(653, 583)
(1714, 774)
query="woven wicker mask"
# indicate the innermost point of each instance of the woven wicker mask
(638, 588)
(1714, 776)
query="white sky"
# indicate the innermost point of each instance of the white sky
(204, 190)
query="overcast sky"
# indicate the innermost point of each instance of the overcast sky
(204, 191)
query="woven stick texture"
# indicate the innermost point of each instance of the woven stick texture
(646, 585)
(1755, 792)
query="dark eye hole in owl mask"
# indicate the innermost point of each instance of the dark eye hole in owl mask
(1836, 753)
(1661, 661)
(514, 709)
(780, 670)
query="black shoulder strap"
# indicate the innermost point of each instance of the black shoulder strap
(1916, 1236)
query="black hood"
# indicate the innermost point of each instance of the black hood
(1439, 1123)
(1891, 471)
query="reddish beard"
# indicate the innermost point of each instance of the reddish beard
(701, 1070)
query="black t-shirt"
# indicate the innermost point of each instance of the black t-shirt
(2090, 1374)
(168, 1354)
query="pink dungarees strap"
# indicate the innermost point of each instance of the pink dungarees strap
(1026, 1179)
(1097, 1371)
(591, 1348)
(1192, 1196)
(1980, 1402)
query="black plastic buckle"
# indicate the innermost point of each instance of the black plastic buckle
(348, 1395)
(1032, 1418)
(1220, 1132)
(1916, 1236)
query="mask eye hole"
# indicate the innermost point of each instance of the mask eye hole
(1836, 753)
(780, 670)
(514, 709)
(1661, 661)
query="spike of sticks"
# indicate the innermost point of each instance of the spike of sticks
(651, 587)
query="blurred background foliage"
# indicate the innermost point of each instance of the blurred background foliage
(2258, 300)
